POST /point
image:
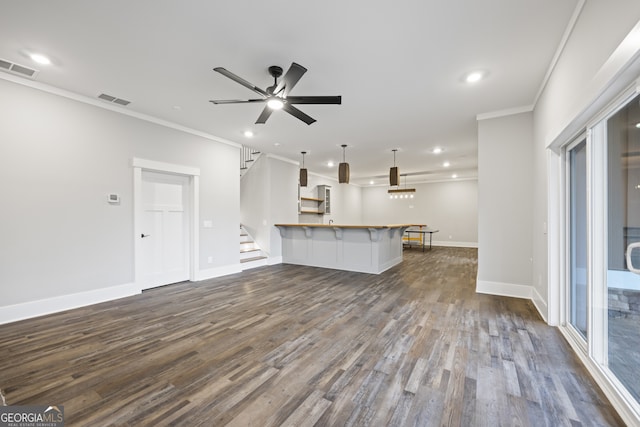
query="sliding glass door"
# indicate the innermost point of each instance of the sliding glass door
(602, 309)
(623, 247)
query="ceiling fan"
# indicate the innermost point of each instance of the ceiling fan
(277, 96)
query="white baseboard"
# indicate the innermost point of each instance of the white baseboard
(515, 291)
(539, 303)
(504, 289)
(211, 273)
(27, 310)
(30, 309)
(451, 244)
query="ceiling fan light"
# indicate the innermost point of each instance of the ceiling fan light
(275, 104)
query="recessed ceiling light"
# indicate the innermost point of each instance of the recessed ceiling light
(437, 150)
(40, 59)
(638, 125)
(474, 77)
(248, 133)
(276, 144)
(275, 104)
(372, 182)
(330, 163)
(446, 164)
(454, 176)
(177, 107)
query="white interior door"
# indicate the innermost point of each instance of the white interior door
(164, 229)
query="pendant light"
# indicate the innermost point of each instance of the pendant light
(303, 172)
(402, 193)
(394, 173)
(343, 169)
(394, 180)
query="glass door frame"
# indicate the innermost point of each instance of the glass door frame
(566, 294)
(593, 351)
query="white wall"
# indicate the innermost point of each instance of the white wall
(590, 65)
(254, 202)
(268, 194)
(451, 207)
(59, 158)
(505, 205)
(284, 201)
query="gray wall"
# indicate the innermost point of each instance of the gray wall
(451, 207)
(59, 158)
(505, 146)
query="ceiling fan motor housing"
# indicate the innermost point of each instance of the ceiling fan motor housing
(275, 71)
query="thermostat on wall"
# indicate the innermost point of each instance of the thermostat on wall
(113, 198)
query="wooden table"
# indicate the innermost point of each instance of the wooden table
(422, 237)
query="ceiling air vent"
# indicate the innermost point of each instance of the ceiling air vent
(20, 70)
(113, 99)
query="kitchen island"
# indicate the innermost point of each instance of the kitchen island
(361, 248)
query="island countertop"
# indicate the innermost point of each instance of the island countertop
(345, 225)
(362, 248)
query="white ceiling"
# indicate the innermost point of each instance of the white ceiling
(399, 67)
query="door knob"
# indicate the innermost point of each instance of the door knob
(144, 235)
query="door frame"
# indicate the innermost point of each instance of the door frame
(594, 352)
(193, 203)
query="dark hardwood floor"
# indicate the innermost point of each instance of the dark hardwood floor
(300, 346)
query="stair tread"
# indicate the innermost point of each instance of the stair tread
(242, 251)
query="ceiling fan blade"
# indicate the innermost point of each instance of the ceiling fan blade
(235, 101)
(266, 113)
(289, 80)
(240, 80)
(314, 99)
(297, 113)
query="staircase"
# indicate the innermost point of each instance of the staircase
(251, 256)
(247, 156)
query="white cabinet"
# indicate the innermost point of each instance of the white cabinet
(320, 205)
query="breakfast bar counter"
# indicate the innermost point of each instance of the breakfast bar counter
(361, 248)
